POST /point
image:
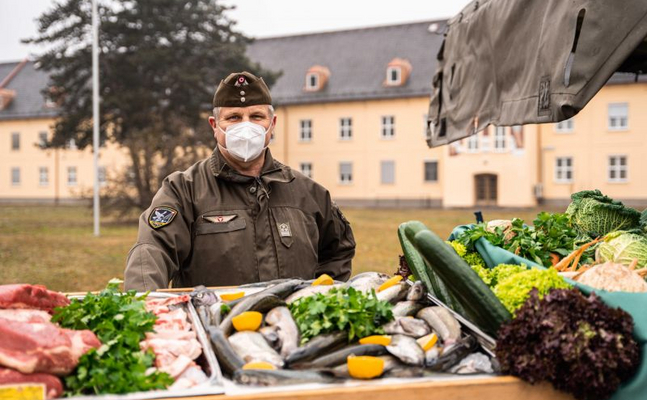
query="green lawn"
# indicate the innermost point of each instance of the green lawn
(55, 246)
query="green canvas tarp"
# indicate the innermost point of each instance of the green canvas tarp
(515, 62)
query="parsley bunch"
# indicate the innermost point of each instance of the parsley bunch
(345, 309)
(120, 321)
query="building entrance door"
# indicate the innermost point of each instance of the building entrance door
(486, 189)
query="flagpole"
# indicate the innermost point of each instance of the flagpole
(95, 111)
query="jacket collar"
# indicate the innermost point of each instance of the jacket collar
(272, 170)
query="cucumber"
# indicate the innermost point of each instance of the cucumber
(463, 283)
(415, 261)
(421, 269)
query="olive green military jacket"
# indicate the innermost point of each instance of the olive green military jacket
(211, 226)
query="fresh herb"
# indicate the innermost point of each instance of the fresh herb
(345, 309)
(550, 234)
(577, 343)
(120, 321)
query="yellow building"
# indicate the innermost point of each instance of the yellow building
(352, 112)
(28, 172)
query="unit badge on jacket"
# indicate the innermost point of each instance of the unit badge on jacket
(284, 229)
(161, 216)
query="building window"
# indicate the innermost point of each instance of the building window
(426, 133)
(306, 169)
(565, 126)
(618, 116)
(42, 139)
(15, 141)
(473, 143)
(102, 175)
(43, 176)
(305, 130)
(393, 76)
(15, 176)
(312, 81)
(71, 176)
(345, 173)
(499, 138)
(431, 171)
(388, 127)
(618, 169)
(345, 128)
(564, 169)
(387, 172)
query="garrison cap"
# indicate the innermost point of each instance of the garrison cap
(241, 89)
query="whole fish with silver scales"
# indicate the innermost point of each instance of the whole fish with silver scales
(328, 352)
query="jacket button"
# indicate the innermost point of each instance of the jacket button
(252, 189)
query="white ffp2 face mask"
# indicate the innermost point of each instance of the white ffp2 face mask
(245, 141)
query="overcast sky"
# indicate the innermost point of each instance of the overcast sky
(256, 18)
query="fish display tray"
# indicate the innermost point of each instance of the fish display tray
(207, 361)
(443, 386)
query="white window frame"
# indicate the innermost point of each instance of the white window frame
(618, 168)
(305, 130)
(345, 178)
(70, 144)
(15, 141)
(43, 176)
(562, 170)
(424, 171)
(306, 169)
(566, 126)
(345, 128)
(42, 139)
(500, 139)
(102, 176)
(310, 85)
(388, 127)
(15, 172)
(72, 176)
(610, 118)
(473, 143)
(389, 75)
(383, 165)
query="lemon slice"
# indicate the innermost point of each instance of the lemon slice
(394, 280)
(259, 365)
(324, 279)
(247, 321)
(428, 341)
(384, 340)
(232, 296)
(365, 367)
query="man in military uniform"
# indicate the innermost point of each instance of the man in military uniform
(239, 216)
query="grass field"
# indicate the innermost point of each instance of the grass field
(55, 246)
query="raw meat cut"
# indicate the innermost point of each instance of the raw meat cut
(31, 296)
(42, 347)
(53, 385)
(26, 315)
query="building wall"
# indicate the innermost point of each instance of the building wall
(591, 142)
(514, 165)
(366, 150)
(30, 158)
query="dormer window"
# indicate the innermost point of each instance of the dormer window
(397, 72)
(394, 76)
(312, 81)
(316, 78)
(6, 96)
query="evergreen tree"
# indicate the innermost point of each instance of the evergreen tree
(160, 62)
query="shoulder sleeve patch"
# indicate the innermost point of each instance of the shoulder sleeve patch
(161, 216)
